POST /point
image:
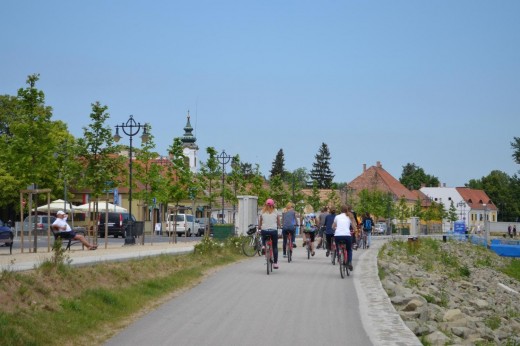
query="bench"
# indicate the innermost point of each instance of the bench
(67, 239)
(6, 238)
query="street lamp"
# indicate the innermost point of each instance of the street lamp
(130, 128)
(223, 158)
(462, 205)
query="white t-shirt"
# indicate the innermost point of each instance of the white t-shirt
(60, 223)
(343, 223)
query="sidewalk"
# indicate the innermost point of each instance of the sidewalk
(27, 261)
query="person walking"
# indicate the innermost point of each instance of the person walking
(367, 223)
(342, 231)
(510, 231)
(514, 231)
(61, 225)
(288, 226)
(268, 223)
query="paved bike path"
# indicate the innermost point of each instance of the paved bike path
(304, 302)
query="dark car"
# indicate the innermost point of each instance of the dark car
(117, 224)
(203, 221)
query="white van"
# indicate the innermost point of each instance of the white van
(184, 224)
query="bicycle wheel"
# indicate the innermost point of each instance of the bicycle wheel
(258, 245)
(341, 265)
(249, 246)
(345, 256)
(289, 248)
(308, 249)
(333, 256)
(267, 256)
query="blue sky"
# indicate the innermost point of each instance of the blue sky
(435, 83)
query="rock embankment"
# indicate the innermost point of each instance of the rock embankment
(451, 293)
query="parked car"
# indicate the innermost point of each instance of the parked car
(380, 228)
(183, 224)
(117, 224)
(203, 221)
(42, 223)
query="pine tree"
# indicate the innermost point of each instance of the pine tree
(278, 165)
(321, 172)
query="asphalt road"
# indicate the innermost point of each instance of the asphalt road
(303, 303)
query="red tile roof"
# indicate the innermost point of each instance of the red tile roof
(476, 198)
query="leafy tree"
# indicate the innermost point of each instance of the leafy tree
(236, 182)
(402, 211)
(333, 200)
(208, 177)
(278, 191)
(321, 172)
(413, 177)
(452, 213)
(515, 145)
(417, 209)
(102, 165)
(278, 167)
(314, 199)
(256, 187)
(500, 188)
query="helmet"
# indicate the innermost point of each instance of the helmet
(269, 202)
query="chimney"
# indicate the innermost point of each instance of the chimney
(364, 167)
(378, 164)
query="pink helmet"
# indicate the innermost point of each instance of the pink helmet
(269, 202)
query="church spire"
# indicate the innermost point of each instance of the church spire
(188, 139)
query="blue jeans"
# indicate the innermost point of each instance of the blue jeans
(274, 236)
(348, 240)
(284, 235)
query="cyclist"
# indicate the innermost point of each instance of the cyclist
(288, 225)
(269, 223)
(342, 226)
(309, 224)
(329, 232)
(321, 231)
(367, 227)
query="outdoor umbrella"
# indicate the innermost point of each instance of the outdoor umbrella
(54, 206)
(102, 206)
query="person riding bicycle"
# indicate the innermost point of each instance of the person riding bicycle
(321, 225)
(288, 225)
(329, 232)
(268, 223)
(309, 228)
(342, 231)
(368, 223)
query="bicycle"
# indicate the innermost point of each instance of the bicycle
(252, 244)
(362, 241)
(343, 259)
(289, 247)
(333, 251)
(269, 255)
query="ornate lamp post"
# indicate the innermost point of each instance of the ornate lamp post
(462, 205)
(223, 158)
(130, 128)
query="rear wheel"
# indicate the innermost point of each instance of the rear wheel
(308, 249)
(267, 257)
(333, 257)
(341, 265)
(249, 246)
(345, 259)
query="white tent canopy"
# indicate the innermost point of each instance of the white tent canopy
(102, 206)
(54, 206)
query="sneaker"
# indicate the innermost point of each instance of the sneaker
(350, 267)
(275, 265)
(312, 253)
(263, 250)
(327, 253)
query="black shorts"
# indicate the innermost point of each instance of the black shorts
(312, 234)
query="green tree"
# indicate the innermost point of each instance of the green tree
(417, 209)
(402, 211)
(102, 167)
(452, 214)
(413, 177)
(209, 176)
(278, 191)
(515, 145)
(321, 172)
(278, 167)
(314, 199)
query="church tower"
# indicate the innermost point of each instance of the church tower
(189, 146)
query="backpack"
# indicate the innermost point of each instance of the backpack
(367, 224)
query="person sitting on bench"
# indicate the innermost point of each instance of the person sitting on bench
(62, 226)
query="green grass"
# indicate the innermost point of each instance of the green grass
(76, 318)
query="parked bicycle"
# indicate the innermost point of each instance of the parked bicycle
(362, 240)
(252, 244)
(269, 254)
(343, 259)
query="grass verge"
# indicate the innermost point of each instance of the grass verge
(62, 305)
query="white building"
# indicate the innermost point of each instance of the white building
(189, 147)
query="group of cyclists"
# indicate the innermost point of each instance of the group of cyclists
(327, 227)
